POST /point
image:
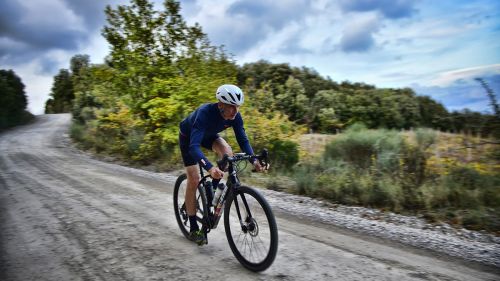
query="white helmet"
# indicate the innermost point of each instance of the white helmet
(230, 94)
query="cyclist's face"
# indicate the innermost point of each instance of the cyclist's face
(228, 111)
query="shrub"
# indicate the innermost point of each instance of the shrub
(283, 153)
(387, 193)
(304, 179)
(378, 168)
(362, 148)
(133, 141)
(435, 196)
(76, 131)
(425, 138)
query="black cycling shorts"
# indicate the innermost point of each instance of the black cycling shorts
(188, 160)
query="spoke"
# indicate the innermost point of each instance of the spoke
(259, 245)
(253, 248)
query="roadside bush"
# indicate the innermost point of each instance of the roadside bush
(303, 180)
(76, 132)
(133, 141)
(435, 196)
(283, 153)
(388, 170)
(363, 148)
(386, 193)
(470, 189)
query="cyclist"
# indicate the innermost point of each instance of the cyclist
(201, 128)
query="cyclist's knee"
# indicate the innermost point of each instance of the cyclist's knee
(193, 174)
(221, 147)
(227, 150)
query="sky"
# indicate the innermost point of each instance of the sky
(435, 47)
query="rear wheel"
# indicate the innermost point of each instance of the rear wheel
(254, 241)
(180, 207)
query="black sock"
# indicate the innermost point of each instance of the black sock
(193, 224)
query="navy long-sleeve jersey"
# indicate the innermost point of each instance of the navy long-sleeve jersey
(202, 127)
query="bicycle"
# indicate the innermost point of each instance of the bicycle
(249, 223)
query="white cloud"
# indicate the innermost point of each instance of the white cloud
(97, 48)
(449, 77)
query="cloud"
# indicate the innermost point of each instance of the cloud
(242, 24)
(31, 29)
(34, 28)
(272, 13)
(358, 35)
(91, 11)
(393, 9)
(292, 46)
(465, 74)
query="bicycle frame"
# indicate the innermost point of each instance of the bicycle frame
(233, 183)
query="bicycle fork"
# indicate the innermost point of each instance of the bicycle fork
(248, 224)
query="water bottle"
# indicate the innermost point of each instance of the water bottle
(218, 204)
(220, 188)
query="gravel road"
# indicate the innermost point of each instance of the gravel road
(67, 216)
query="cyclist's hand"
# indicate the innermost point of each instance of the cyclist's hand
(216, 173)
(258, 167)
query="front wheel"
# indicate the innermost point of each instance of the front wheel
(254, 238)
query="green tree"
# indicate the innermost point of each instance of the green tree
(432, 113)
(158, 71)
(13, 100)
(62, 95)
(293, 100)
(79, 63)
(312, 81)
(324, 111)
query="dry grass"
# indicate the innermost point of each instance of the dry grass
(312, 145)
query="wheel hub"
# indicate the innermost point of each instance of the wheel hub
(252, 227)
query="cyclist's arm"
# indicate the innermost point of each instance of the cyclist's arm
(197, 133)
(241, 136)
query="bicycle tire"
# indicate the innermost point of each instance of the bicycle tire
(232, 227)
(201, 200)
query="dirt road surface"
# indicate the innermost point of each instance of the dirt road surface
(66, 216)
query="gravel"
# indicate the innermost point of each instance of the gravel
(470, 245)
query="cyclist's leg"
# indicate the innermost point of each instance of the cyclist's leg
(193, 178)
(221, 147)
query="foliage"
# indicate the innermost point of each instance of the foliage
(62, 93)
(397, 171)
(363, 148)
(13, 100)
(274, 132)
(283, 154)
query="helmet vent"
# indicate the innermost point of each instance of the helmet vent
(231, 96)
